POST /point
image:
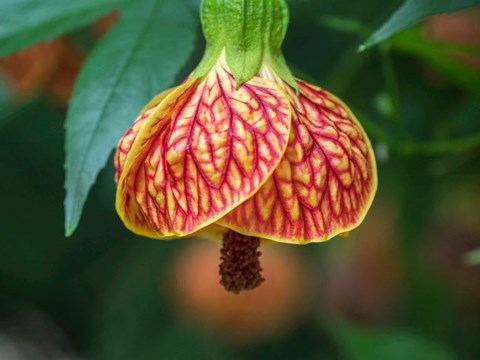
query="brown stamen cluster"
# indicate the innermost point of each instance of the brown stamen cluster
(240, 265)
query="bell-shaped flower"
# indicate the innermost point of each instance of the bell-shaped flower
(242, 145)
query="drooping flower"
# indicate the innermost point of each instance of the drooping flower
(244, 146)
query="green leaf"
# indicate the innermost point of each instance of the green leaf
(139, 57)
(26, 22)
(365, 344)
(412, 12)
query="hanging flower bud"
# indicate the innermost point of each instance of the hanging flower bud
(244, 145)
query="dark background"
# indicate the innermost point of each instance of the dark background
(396, 287)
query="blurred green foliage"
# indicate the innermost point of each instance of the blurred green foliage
(107, 294)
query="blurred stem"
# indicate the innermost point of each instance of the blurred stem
(428, 302)
(351, 61)
(343, 74)
(391, 83)
(472, 258)
(443, 147)
(413, 147)
(390, 78)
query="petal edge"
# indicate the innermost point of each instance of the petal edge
(325, 183)
(204, 150)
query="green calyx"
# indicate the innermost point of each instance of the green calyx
(250, 31)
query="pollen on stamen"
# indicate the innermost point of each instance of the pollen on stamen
(240, 264)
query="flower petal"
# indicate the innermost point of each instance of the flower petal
(126, 142)
(205, 149)
(324, 184)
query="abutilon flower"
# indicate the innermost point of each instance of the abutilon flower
(244, 147)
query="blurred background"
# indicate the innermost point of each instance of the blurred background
(399, 286)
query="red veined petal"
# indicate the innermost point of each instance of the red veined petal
(205, 149)
(324, 184)
(126, 142)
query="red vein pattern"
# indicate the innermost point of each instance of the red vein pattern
(205, 149)
(324, 184)
(126, 142)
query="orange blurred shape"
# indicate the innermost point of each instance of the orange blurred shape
(251, 316)
(462, 27)
(102, 25)
(60, 86)
(363, 279)
(50, 66)
(28, 71)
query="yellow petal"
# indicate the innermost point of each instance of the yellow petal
(324, 184)
(202, 151)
